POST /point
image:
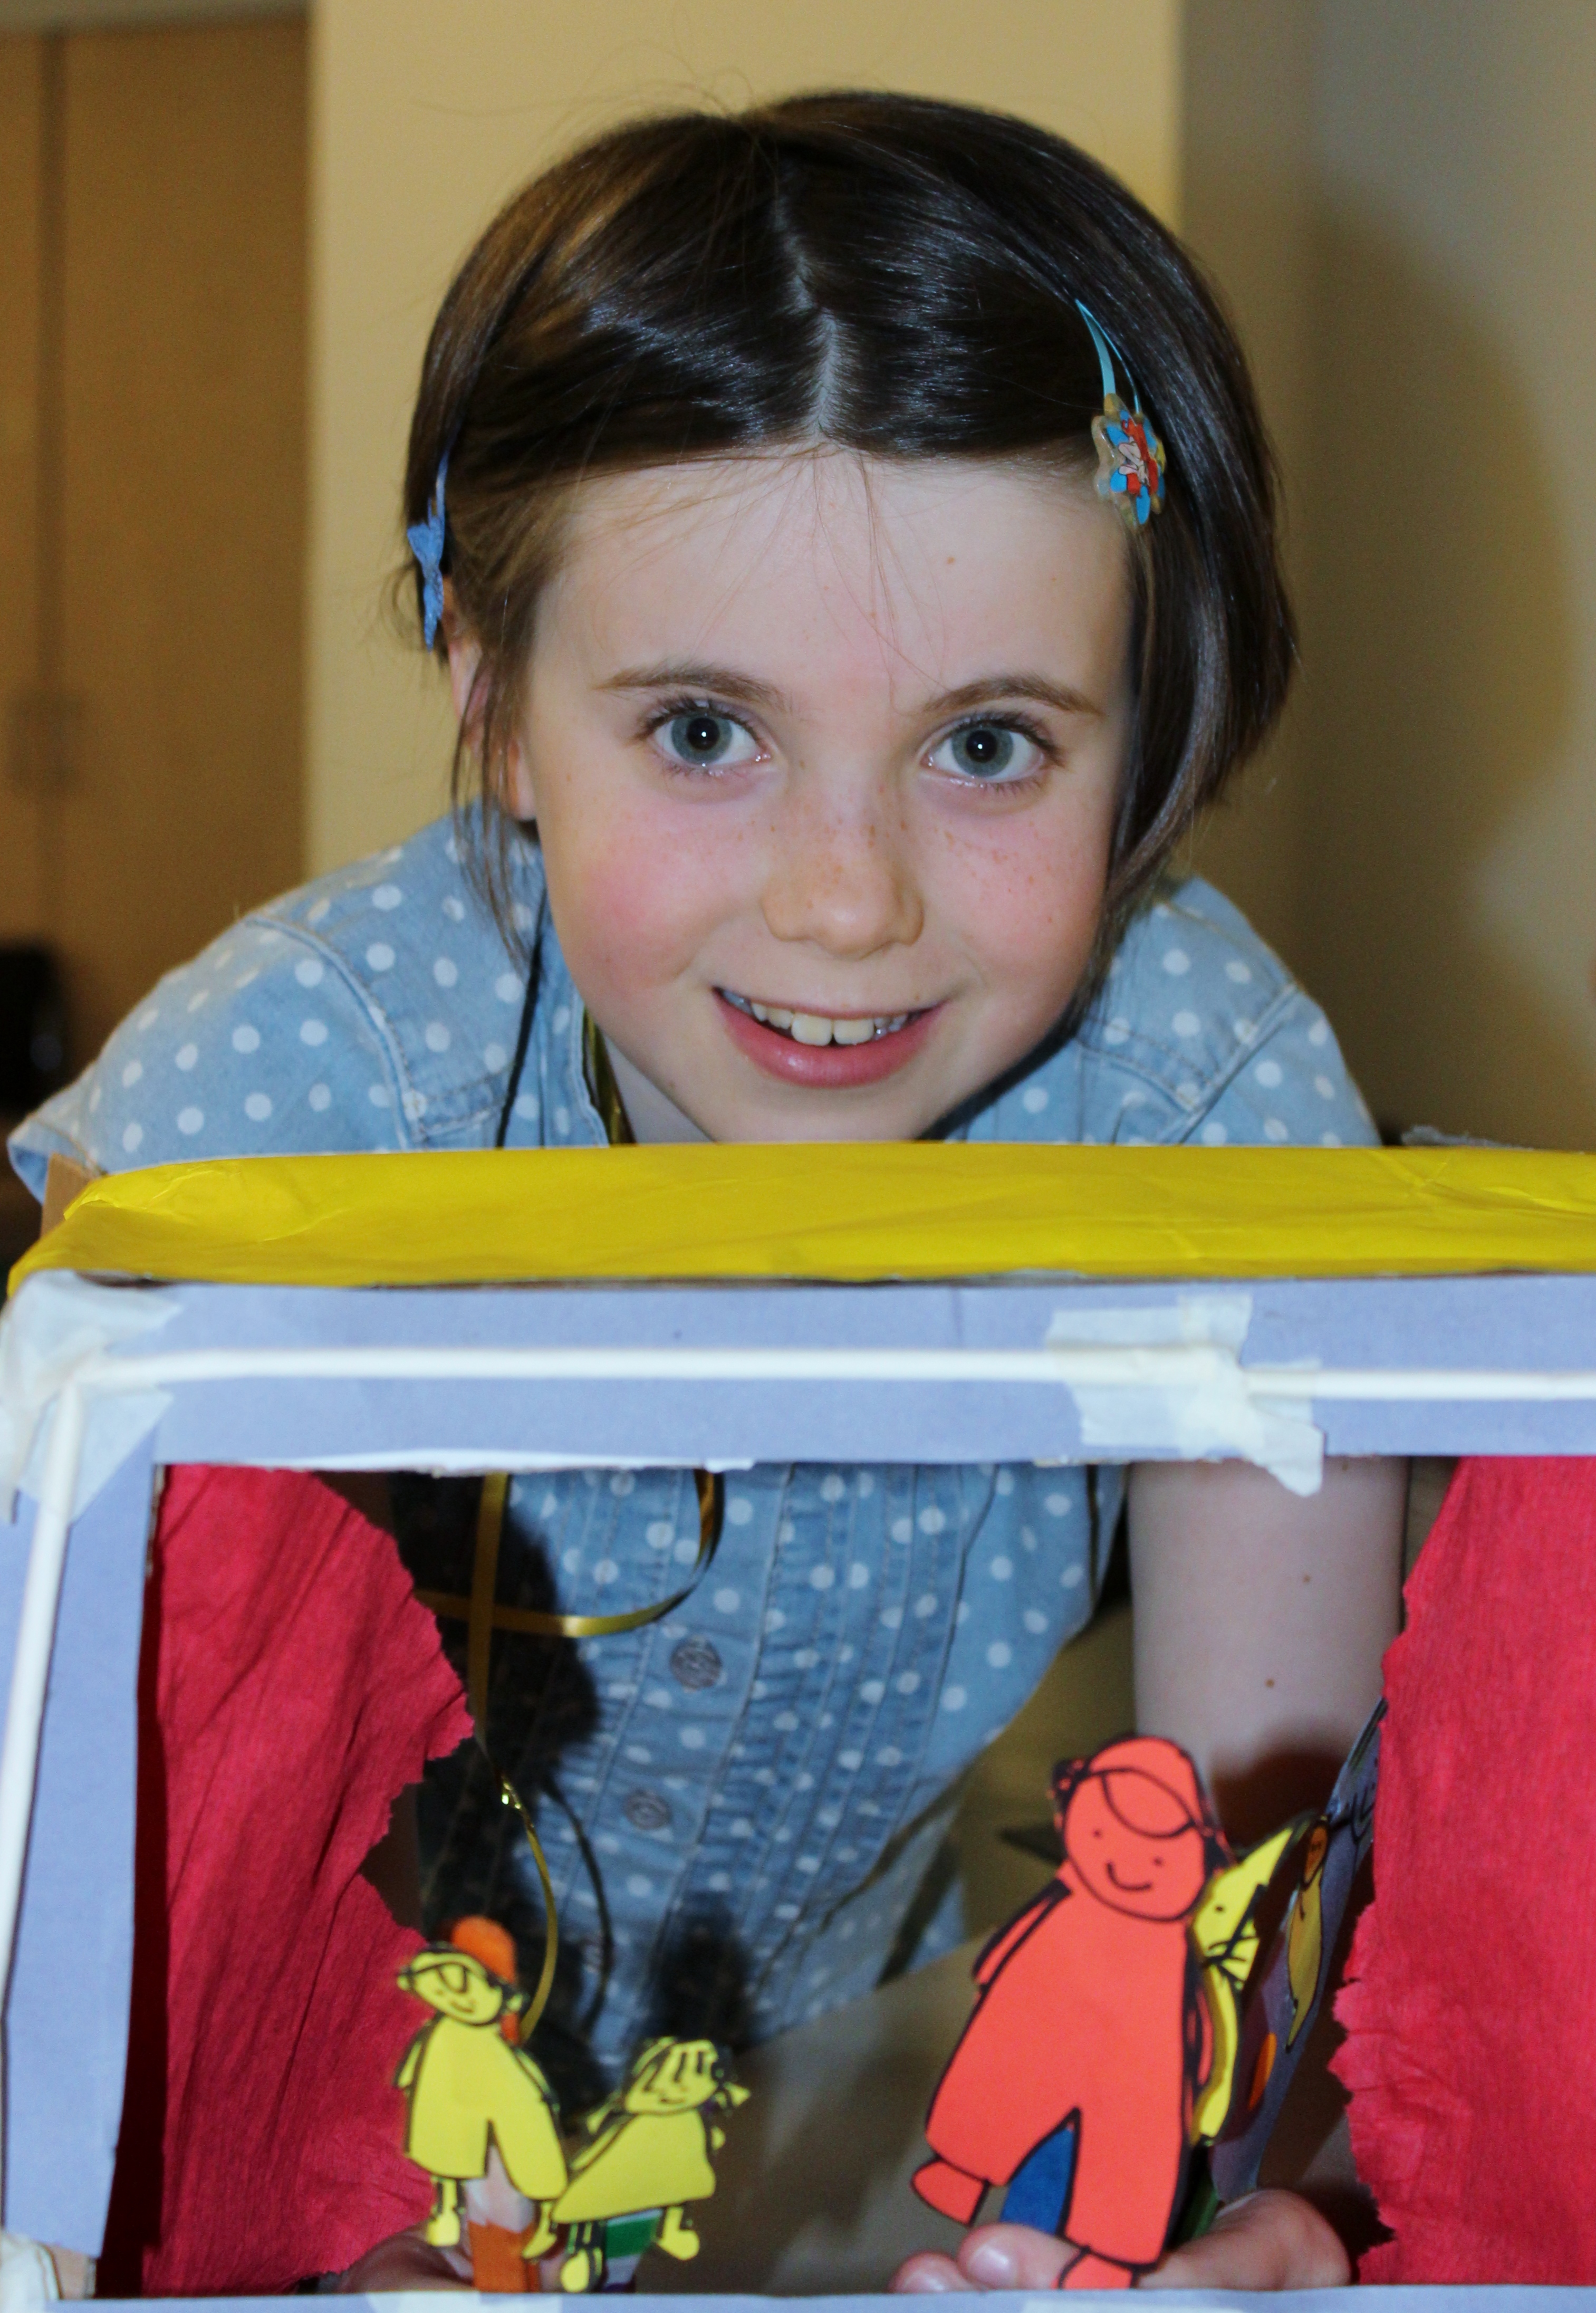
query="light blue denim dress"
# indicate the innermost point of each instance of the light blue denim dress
(742, 1804)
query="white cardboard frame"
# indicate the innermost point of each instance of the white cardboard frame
(102, 1382)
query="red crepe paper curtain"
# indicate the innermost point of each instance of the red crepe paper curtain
(291, 1689)
(1471, 2011)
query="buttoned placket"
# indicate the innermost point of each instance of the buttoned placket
(755, 1785)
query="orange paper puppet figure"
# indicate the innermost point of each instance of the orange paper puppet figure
(1075, 2081)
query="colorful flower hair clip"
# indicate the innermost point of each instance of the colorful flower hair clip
(427, 544)
(1130, 457)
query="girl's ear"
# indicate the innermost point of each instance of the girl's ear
(516, 792)
(465, 664)
(465, 681)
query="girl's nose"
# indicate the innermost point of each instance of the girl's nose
(842, 878)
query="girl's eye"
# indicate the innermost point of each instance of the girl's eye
(702, 740)
(996, 754)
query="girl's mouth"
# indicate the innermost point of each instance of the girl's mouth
(825, 1050)
(816, 1029)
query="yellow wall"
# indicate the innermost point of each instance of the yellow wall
(1395, 198)
(1451, 831)
(1248, 211)
(424, 117)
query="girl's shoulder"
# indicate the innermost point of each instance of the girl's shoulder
(374, 1009)
(1198, 1032)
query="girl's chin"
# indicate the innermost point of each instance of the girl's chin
(827, 1068)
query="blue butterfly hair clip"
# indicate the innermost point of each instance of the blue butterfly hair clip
(1130, 459)
(427, 544)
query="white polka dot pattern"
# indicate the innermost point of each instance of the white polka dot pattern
(864, 1631)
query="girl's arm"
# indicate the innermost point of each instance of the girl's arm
(1261, 1621)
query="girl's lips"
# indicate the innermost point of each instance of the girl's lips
(825, 1068)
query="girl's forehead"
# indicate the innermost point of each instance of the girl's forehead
(821, 500)
(910, 551)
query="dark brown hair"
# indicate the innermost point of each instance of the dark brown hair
(887, 275)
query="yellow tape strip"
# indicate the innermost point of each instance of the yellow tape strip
(855, 1211)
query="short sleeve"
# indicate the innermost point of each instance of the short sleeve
(260, 1047)
(1292, 1090)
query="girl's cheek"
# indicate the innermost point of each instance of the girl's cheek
(1029, 903)
(642, 893)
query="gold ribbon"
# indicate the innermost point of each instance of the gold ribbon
(482, 1617)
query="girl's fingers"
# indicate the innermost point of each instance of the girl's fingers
(992, 2256)
(1269, 2240)
(927, 2272)
(1013, 2257)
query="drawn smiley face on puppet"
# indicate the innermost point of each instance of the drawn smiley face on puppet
(455, 1983)
(1135, 1843)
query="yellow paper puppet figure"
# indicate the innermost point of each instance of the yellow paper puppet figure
(482, 2117)
(1102, 2043)
(648, 2155)
(1224, 1937)
(1305, 1935)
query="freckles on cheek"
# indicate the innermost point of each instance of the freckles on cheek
(1031, 909)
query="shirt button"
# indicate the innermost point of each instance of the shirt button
(646, 1810)
(695, 1664)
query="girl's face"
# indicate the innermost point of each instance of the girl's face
(823, 752)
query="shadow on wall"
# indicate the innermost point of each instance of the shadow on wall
(1439, 689)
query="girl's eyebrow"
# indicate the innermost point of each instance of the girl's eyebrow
(730, 682)
(696, 675)
(988, 687)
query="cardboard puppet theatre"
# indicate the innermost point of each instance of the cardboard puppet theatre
(951, 1303)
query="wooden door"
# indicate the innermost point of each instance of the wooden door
(154, 791)
(22, 179)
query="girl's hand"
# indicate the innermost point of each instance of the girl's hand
(1269, 2240)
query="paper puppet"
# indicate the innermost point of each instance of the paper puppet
(1103, 2038)
(648, 2153)
(482, 2118)
(1294, 1983)
(1304, 1934)
(1225, 1938)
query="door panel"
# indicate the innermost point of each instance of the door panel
(182, 370)
(21, 190)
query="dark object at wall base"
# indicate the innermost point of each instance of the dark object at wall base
(32, 1028)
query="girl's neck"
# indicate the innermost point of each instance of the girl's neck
(643, 1112)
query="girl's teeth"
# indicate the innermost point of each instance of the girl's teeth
(817, 1027)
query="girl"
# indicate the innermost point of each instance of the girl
(849, 532)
